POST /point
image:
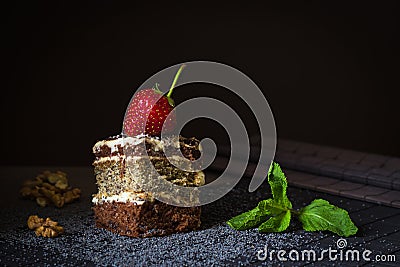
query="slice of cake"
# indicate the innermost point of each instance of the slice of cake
(121, 205)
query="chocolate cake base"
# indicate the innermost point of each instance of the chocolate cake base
(149, 219)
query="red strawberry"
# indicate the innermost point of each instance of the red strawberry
(142, 104)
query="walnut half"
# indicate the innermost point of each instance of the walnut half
(45, 228)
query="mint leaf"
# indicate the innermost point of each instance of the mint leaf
(259, 214)
(278, 207)
(271, 207)
(277, 223)
(278, 183)
(321, 215)
(249, 219)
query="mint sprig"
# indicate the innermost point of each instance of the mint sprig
(274, 214)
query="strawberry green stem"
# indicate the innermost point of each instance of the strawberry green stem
(175, 80)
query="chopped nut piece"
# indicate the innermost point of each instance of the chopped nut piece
(25, 191)
(58, 200)
(50, 223)
(57, 176)
(61, 184)
(54, 197)
(42, 201)
(72, 195)
(34, 222)
(35, 193)
(31, 183)
(51, 187)
(39, 178)
(45, 232)
(46, 192)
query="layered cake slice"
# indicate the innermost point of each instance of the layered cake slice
(122, 206)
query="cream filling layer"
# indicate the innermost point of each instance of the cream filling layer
(124, 197)
(133, 159)
(114, 144)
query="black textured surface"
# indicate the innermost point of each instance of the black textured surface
(353, 174)
(215, 244)
(349, 165)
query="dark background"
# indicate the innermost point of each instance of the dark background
(329, 70)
